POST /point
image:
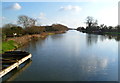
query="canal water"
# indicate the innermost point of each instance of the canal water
(72, 56)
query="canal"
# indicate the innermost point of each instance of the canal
(72, 56)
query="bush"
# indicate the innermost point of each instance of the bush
(59, 27)
(3, 36)
(35, 30)
(56, 27)
(9, 31)
(49, 28)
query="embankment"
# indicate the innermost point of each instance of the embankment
(20, 41)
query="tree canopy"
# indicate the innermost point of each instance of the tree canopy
(90, 21)
(26, 21)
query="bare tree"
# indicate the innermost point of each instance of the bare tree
(91, 22)
(26, 21)
(95, 23)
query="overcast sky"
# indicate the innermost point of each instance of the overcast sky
(71, 14)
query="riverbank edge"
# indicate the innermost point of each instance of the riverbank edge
(99, 33)
(25, 39)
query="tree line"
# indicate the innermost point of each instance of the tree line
(92, 27)
(27, 25)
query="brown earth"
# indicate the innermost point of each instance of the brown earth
(27, 38)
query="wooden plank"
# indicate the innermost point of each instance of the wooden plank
(16, 74)
(11, 67)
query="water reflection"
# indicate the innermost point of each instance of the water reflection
(19, 71)
(91, 39)
(116, 37)
(94, 64)
(102, 38)
(119, 59)
(32, 45)
(72, 56)
(57, 36)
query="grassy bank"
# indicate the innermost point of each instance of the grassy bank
(9, 45)
(16, 42)
(13, 43)
(100, 32)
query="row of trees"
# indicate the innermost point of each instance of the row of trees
(92, 27)
(28, 27)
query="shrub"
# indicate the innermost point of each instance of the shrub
(9, 31)
(56, 27)
(35, 30)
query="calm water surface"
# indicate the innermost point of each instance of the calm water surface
(73, 56)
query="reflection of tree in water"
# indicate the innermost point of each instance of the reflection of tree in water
(102, 38)
(57, 36)
(116, 37)
(32, 45)
(91, 39)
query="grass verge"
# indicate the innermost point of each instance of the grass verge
(51, 33)
(112, 33)
(9, 45)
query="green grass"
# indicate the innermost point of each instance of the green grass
(112, 33)
(51, 33)
(0, 47)
(9, 45)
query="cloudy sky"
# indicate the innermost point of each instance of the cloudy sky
(71, 14)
